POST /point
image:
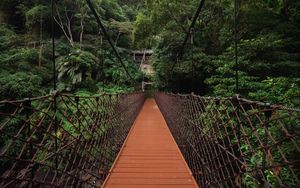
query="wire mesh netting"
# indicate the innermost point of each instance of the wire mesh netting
(63, 140)
(234, 142)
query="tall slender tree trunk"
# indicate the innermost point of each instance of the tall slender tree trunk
(117, 39)
(2, 16)
(81, 28)
(66, 28)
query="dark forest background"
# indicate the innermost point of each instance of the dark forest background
(268, 47)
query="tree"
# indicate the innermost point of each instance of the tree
(267, 36)
(76, 66)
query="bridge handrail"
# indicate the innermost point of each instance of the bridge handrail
(239, 98)
(63, 139)
(235, 142)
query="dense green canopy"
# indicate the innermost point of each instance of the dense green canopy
(268, 47)
(268, 37)
(84, 58)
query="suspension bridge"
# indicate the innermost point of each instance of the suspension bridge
(127, 140)
(173, 141)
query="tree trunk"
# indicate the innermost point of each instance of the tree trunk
(66, 28)
(3, 16)
(119, 34)
(81, 28)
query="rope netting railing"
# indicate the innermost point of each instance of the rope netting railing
(63, 140)
(234, 142)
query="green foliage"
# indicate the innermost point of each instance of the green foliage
(84, 57)
(62, 48)
(7, 37)
(12, 125)
(113, 89)
(142, 28)
(268, 42)
(21, 55)
(266, 71)
(278, 90)
(36, 14)
(112, 10)
(76, 66)
(268, 52)
(19, 85)
(268, 37)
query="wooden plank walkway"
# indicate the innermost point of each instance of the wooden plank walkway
(150, 157)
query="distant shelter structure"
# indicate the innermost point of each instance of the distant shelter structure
(144, 58)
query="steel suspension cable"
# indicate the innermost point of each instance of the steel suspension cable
(188, 34)
(92, 8)
(53, 46)
(236, 48)
(55, 126)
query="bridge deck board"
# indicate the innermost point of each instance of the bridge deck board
(150, 157)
